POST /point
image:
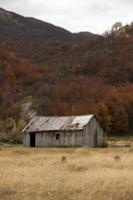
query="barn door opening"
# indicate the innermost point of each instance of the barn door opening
(57, 137)
(32, 140)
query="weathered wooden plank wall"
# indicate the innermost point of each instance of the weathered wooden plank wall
(27, 139)
(92, 131)
(66, 138)
(92, 135)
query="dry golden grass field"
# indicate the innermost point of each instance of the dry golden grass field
(66, 174)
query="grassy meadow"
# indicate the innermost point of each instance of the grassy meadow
(66, 174)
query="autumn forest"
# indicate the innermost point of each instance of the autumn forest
(47, 70)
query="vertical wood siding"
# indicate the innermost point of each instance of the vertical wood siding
(27, 139)
(93, 131)
(66, 139)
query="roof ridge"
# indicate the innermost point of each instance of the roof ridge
(64, 116)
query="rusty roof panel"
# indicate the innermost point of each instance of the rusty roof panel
(39, 124)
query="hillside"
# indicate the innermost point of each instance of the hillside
(34, 39)
(47, 70)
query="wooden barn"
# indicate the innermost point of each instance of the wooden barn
(73, 131)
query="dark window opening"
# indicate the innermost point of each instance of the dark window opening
(32, 140)
(57, 136)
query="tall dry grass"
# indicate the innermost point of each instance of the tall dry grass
(66, 174)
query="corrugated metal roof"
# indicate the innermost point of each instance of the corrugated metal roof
(39, 124)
